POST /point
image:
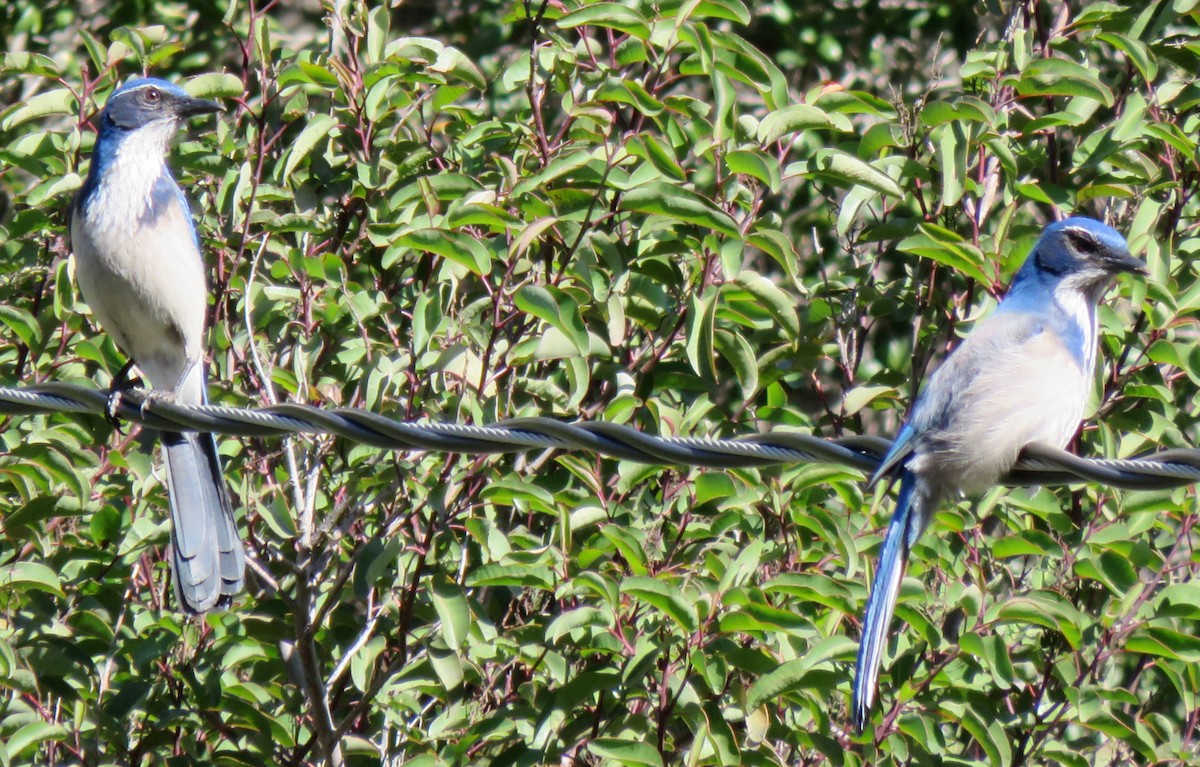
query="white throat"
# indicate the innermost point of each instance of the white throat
(1081, 309)
(126, 189)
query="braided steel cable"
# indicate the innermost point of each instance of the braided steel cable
(1038, 465)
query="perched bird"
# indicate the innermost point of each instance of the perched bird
(1022, 376)
(137, 259)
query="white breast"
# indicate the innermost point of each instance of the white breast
(138, 265)
(1013, 382)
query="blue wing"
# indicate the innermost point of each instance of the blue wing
(902, 446)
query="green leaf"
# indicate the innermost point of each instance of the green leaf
(792, 119)
(656, 151)
(453, 611)
(990, 736)
(778, 246)
(713, 486)
(732, 10)
(316, 74)
(675, 202)
(1025, 544)
(29, 736)
(58, 101)
(554, 306)
(319, 128)
(580, 617)
(754, 616)
(663, 597)
(510, 575)
(629, 92)
(448, 666)
(946, 247)
(451, 61)
(835, 164)
(700, 344)
(562, 165)
(860, 396)
(31, 575)
(610, 15)
(217, 85)
(1044, 608)
(27, 63)
(278, 517)
(779, 303)
(20, 322)
(1109, 568)
(625, 752)
(963, 109)
(629, 547)
(740, 355)
(460, 248)
(1059, 77)
(756, 164)
(1165, 643)
(1136, 51)
(952, 157)
(1182, 599)
(792, 675)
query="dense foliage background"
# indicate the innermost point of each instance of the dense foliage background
(696, 217)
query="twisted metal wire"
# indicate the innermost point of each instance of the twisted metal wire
(1038, 464)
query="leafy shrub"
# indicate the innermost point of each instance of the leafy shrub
(691, 217)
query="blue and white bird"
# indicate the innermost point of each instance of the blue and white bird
(1023, 375)
(138, 263)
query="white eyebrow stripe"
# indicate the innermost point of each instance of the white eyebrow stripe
(143, 86)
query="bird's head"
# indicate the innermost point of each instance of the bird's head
(1083, 254)
(149, 102)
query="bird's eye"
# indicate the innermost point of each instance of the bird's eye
(153, 95)
(1082, 242)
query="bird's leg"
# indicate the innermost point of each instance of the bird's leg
(170, 395)
(121, 383)
(188, 365)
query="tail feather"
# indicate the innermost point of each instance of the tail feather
(207, 557)
(908, 522)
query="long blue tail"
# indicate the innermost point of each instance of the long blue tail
(907, 523)
(207, 556)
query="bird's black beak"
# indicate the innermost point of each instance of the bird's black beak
(191, 107)
(1124, 262)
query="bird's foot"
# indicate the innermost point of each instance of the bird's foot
(156, 395)
(116, 390)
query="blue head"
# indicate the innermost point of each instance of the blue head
(136, 128)
(1078, 254)
(149, 102)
